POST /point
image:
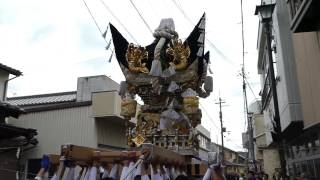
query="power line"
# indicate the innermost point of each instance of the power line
(219, 52)
(144, 21)
(94, 20)
(234, 143)
(118, 20)
(250, 88)
(210, 43)
(221, 123)
(210, 118)
(243, 53)
(102, 34)
(182, 11)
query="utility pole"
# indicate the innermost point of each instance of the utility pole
(248, 117)
(251, 141)
(246, 111)
(222, 128)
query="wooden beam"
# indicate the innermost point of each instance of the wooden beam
(112, 156)
(161, 155)
(151, 154)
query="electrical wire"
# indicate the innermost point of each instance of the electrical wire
(234, 143)
(102, 34)
(94, 20)
(182, 11)
(220, 53)
(217, 128)
(251, 89)
(144, 21)
(118, 20)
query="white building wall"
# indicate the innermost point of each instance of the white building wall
(110, 132)
(203, 130)
(268, 115)
(3, 77)
(87, 85)
(57, 127)
(270, 161)
(255, 107)
(287, 86)
(203, 155)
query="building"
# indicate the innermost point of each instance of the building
(235, 161)
(13, 140)
(198, 165)
(204, 142)
(266, 156)
(89, 116)
(296, 50)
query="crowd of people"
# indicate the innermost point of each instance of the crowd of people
(251, 175)
(126, 170)
(132, 170)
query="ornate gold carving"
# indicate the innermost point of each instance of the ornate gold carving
(134, 55)
(128, 108)
(180, 53)
(139, 140)
(190, 105)
(147, 122)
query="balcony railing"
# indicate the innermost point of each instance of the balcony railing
(294, 6)
(266, 91)
(304, 15)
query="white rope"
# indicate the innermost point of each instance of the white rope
(141, 158)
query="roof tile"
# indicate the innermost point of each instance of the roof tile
(10, 70)
(43, 99)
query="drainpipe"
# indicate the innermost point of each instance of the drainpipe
(6, 86)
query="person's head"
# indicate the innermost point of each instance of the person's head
(137, 177)
(250, 174)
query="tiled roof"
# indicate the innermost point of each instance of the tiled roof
(9, 131)
(10, 70)
(43, 99)
(10, 110)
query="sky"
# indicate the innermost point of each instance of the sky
(54, 42)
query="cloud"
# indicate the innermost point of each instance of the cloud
(41, 33)
(54, 42)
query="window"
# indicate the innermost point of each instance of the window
(304, 167)
(189, 167)
(291, 151)
(197, 169)
(311, 170)
(297, 170)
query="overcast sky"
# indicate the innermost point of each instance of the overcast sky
(54, 42)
